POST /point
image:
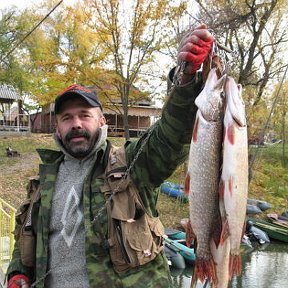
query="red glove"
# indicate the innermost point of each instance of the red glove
(194, 48)
(19, 281)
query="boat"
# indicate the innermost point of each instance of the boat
(252, 209)
(255, 233)
(278, 220)
(178, 245)
(285, 214)
(263, 205)
(174, 190)
(175, 259)
(274, 231)
(176, 239)
(175, 234)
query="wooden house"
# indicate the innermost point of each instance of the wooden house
(141, 115)
(12, 118)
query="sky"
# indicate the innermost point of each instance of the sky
(24, 3)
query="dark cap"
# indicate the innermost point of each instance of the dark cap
(85, 93)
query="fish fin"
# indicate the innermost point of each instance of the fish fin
(221, 189)
(195, 130)
(187, 184)
(217, 230)
(231, 134)
(190, 235)
(234, 265)
(204, 269)
(224, 232)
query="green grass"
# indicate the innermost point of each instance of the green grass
(270, 178)
(269, 183)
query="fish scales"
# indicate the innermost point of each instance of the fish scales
(234, 178)
(203, 174)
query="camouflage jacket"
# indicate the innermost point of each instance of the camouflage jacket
(165, 149)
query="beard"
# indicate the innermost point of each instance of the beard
(80, 149)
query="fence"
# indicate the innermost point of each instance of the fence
(7, 224)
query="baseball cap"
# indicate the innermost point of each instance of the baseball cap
(85, 93)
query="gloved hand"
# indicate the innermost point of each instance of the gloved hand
(19, 281)
(194, 49)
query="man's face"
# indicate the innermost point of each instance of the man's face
(78, 126)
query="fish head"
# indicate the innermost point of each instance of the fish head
(211, 99)
(235, 102)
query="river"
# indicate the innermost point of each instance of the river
(262, 267)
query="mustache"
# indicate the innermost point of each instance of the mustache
(77, 133)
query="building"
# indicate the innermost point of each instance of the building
(140, 116)
(12, 117)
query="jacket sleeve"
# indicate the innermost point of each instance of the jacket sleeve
(168, 141)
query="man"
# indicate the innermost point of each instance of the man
(92, 227)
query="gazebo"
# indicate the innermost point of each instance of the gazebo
(11, 118)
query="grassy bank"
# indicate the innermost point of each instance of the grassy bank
(269, 183)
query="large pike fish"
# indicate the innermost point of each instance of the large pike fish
(234, 179)
(202, 181)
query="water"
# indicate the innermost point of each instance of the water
(262, 267)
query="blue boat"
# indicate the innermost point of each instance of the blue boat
(175, 234)
(174, 190)
(252, 209)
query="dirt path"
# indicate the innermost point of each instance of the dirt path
(14, 174)
(23, 163)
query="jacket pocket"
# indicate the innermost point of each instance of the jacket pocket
(27, 247)
(24, 234)
(135, 242)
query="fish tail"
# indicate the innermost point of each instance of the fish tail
(187, 184)
(224, 232)
(234, 265)
(204, 269)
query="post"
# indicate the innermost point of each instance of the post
(11, 236)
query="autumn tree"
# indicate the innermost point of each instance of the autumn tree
(131, 32)
(112, 45)
(257, 33)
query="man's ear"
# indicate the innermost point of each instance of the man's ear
(102, 121)
(57, 132)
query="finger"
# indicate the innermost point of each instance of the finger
(201, 26)
(188, 57)
(191, 39)
(202, 29)
(203, 44)
(203, 34)
(198, 38)
(192, 48)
